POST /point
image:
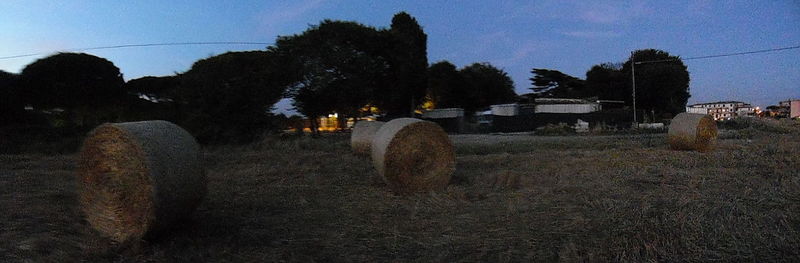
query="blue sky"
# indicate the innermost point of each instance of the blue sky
(516, 36)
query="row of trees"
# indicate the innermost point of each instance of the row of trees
(336, 66)
(662, 82)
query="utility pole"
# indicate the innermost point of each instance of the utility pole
(633, 80)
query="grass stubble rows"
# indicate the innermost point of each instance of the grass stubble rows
(511, 198)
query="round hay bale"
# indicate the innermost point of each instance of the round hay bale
(413, 155)
(361, 139)
(136, 179)
(691, 131)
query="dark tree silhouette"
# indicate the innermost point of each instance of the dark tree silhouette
(555, 84)
(85, 86)
(408, 58)
(445, 85)
(609, 82)
(156, 89)
(228, 98)
(341, 65)
(662, 81)
(153, 98)
(12, 105)
(485, 85)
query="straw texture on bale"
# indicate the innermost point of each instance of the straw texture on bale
(136, 179)
(691, 131)
(413, 155)
(363, 132)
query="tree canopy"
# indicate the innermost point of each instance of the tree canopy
(83, 85)
(156, 89)
(549, 83)
(408, 61)
(11, 103)
(340, 65)
(609, 82)
(662, 81)
(68, 80)
(229, 96)
(445, 85)
(485, 85)
(346, 65)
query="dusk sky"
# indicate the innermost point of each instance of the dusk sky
(569, 36)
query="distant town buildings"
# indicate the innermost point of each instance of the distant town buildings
(723, 110)
(785, 109)
(792, 107)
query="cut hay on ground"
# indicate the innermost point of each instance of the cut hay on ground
(363, 132)
(690, 131)
(413, 155)
(136, 179)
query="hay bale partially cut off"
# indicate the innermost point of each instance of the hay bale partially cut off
(363, 132)
(413, 155)
(690, 131)
(136, 179)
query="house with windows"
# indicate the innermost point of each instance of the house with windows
(723, 110)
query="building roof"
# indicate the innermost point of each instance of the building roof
(718, 102)
(561, 101)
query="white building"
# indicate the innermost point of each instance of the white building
(505, 109)
(444, 113)
(548, 105)
(793, 107)
(723, 110)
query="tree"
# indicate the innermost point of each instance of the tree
(444, 84)
(554, 84)
(229, 97)
(609, 82)
(153, 98)
(340, 64)
(85, 86)
(408, 59)
(12, 106)
(156, 89)
(662, 81)
(485, 85)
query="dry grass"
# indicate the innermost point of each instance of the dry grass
(512, 198)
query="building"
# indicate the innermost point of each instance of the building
(451, 119)
(552, 105)
(792, 107)
(723, 110)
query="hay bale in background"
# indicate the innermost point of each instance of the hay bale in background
(413, 155)
(690, 131)
(136, 179)
(363, 132)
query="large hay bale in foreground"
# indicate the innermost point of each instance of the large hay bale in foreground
(136, 179)
(413, 155)
(691, 131)
(363, 132)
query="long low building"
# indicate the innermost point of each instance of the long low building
(723, 110)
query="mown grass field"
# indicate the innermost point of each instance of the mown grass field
(512, 198)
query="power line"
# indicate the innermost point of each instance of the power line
(143, 45)
(720, 55)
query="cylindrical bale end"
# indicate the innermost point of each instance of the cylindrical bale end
(136, 179)
(413, 155)
(361, 138)
(691, 131)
